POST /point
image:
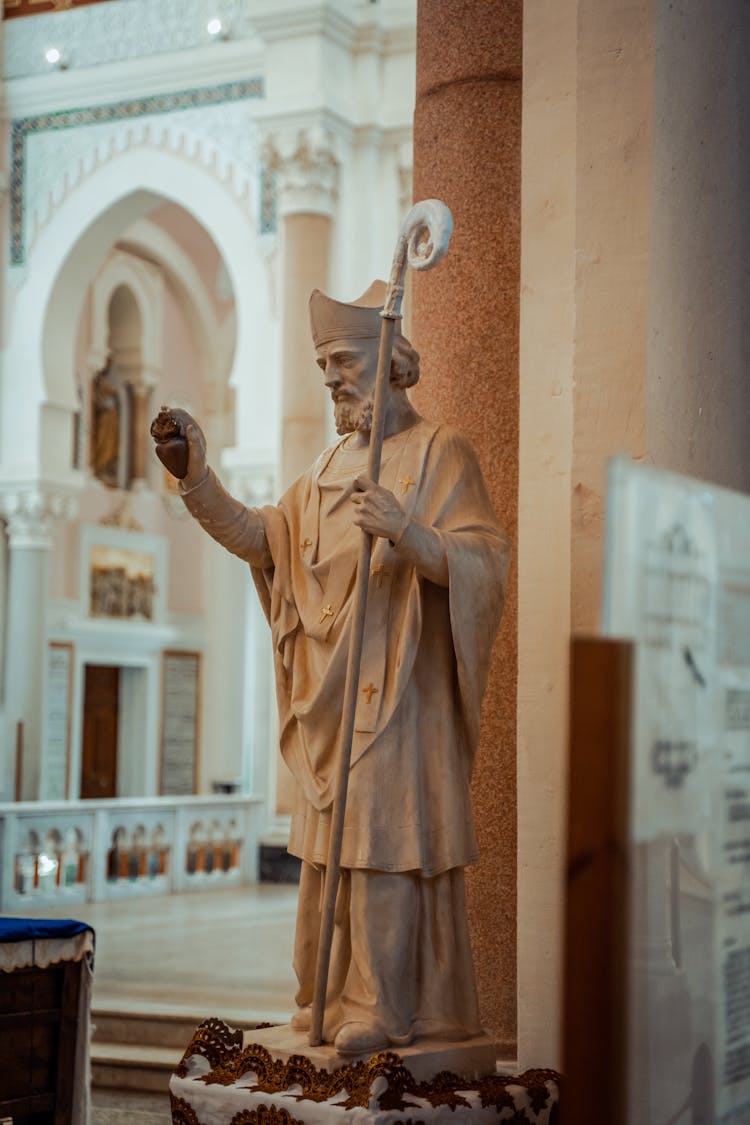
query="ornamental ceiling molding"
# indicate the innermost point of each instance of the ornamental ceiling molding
(278, 23)
(360, 30)
(141, 133)
(104, 34)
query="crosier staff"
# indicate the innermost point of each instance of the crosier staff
(422, 242)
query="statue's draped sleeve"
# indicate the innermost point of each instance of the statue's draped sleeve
(258, 536)
(455, 503)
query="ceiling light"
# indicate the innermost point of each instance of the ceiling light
(215, 28)
(53, 56)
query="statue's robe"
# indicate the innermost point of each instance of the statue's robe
(423, 672)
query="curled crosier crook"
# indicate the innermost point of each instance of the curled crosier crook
(422, 242)
(428, 228)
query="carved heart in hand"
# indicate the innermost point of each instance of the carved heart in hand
(173, 454)
(171, 444)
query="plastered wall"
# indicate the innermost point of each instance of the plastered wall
(698, 372)
(634, 297)
(548, 263)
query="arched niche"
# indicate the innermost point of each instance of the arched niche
(123, 365)
(137, 287)
(35, 430)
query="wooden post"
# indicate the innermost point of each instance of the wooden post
(595, 1014)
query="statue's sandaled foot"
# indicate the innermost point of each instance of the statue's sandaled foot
(360, 1038)
(302, 1019)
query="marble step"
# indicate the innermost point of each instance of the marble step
(157, 1029)
(138, 1050)
(133, 1066)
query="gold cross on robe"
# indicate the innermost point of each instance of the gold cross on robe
(405, 483)
(369, 691)
(326, 611)
(307, 543)
(379, 573)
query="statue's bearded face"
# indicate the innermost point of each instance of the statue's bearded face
(350, 367)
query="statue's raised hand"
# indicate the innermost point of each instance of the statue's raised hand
(180, 445)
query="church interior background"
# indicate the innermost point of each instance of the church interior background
(152, 168)
(175, 178)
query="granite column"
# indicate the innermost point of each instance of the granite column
(467, 152)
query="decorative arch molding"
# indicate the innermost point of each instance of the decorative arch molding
(146, 237)
(69, 251)
(159, 138)
(146, 117)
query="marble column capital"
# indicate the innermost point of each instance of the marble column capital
(148, 381)
(306, 162)
(252, 482)
(29, 511)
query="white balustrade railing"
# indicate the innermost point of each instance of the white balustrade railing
(88, 851)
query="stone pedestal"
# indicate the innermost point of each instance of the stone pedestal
(227, 1075)
(470, 1058)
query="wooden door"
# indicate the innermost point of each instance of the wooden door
(101, 706)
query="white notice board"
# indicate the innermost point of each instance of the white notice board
(56, 737)
(677, 583)
(180, 722)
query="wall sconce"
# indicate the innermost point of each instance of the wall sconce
(216, 29)
(55, 59)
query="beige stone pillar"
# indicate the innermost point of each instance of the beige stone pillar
(613, 233)
(141, 399)
(307, 174)
(467, 151)
(544, 514)
(29, 512)
(306, 167)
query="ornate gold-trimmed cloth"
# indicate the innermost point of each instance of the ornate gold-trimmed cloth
(220, 1080)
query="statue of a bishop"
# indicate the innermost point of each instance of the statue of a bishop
(401, 964)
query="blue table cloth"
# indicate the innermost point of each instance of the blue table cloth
(30, 929)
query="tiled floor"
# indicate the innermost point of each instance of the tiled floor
(221, 953)
(124, 1107)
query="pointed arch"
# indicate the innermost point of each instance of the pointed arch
(67, 254)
